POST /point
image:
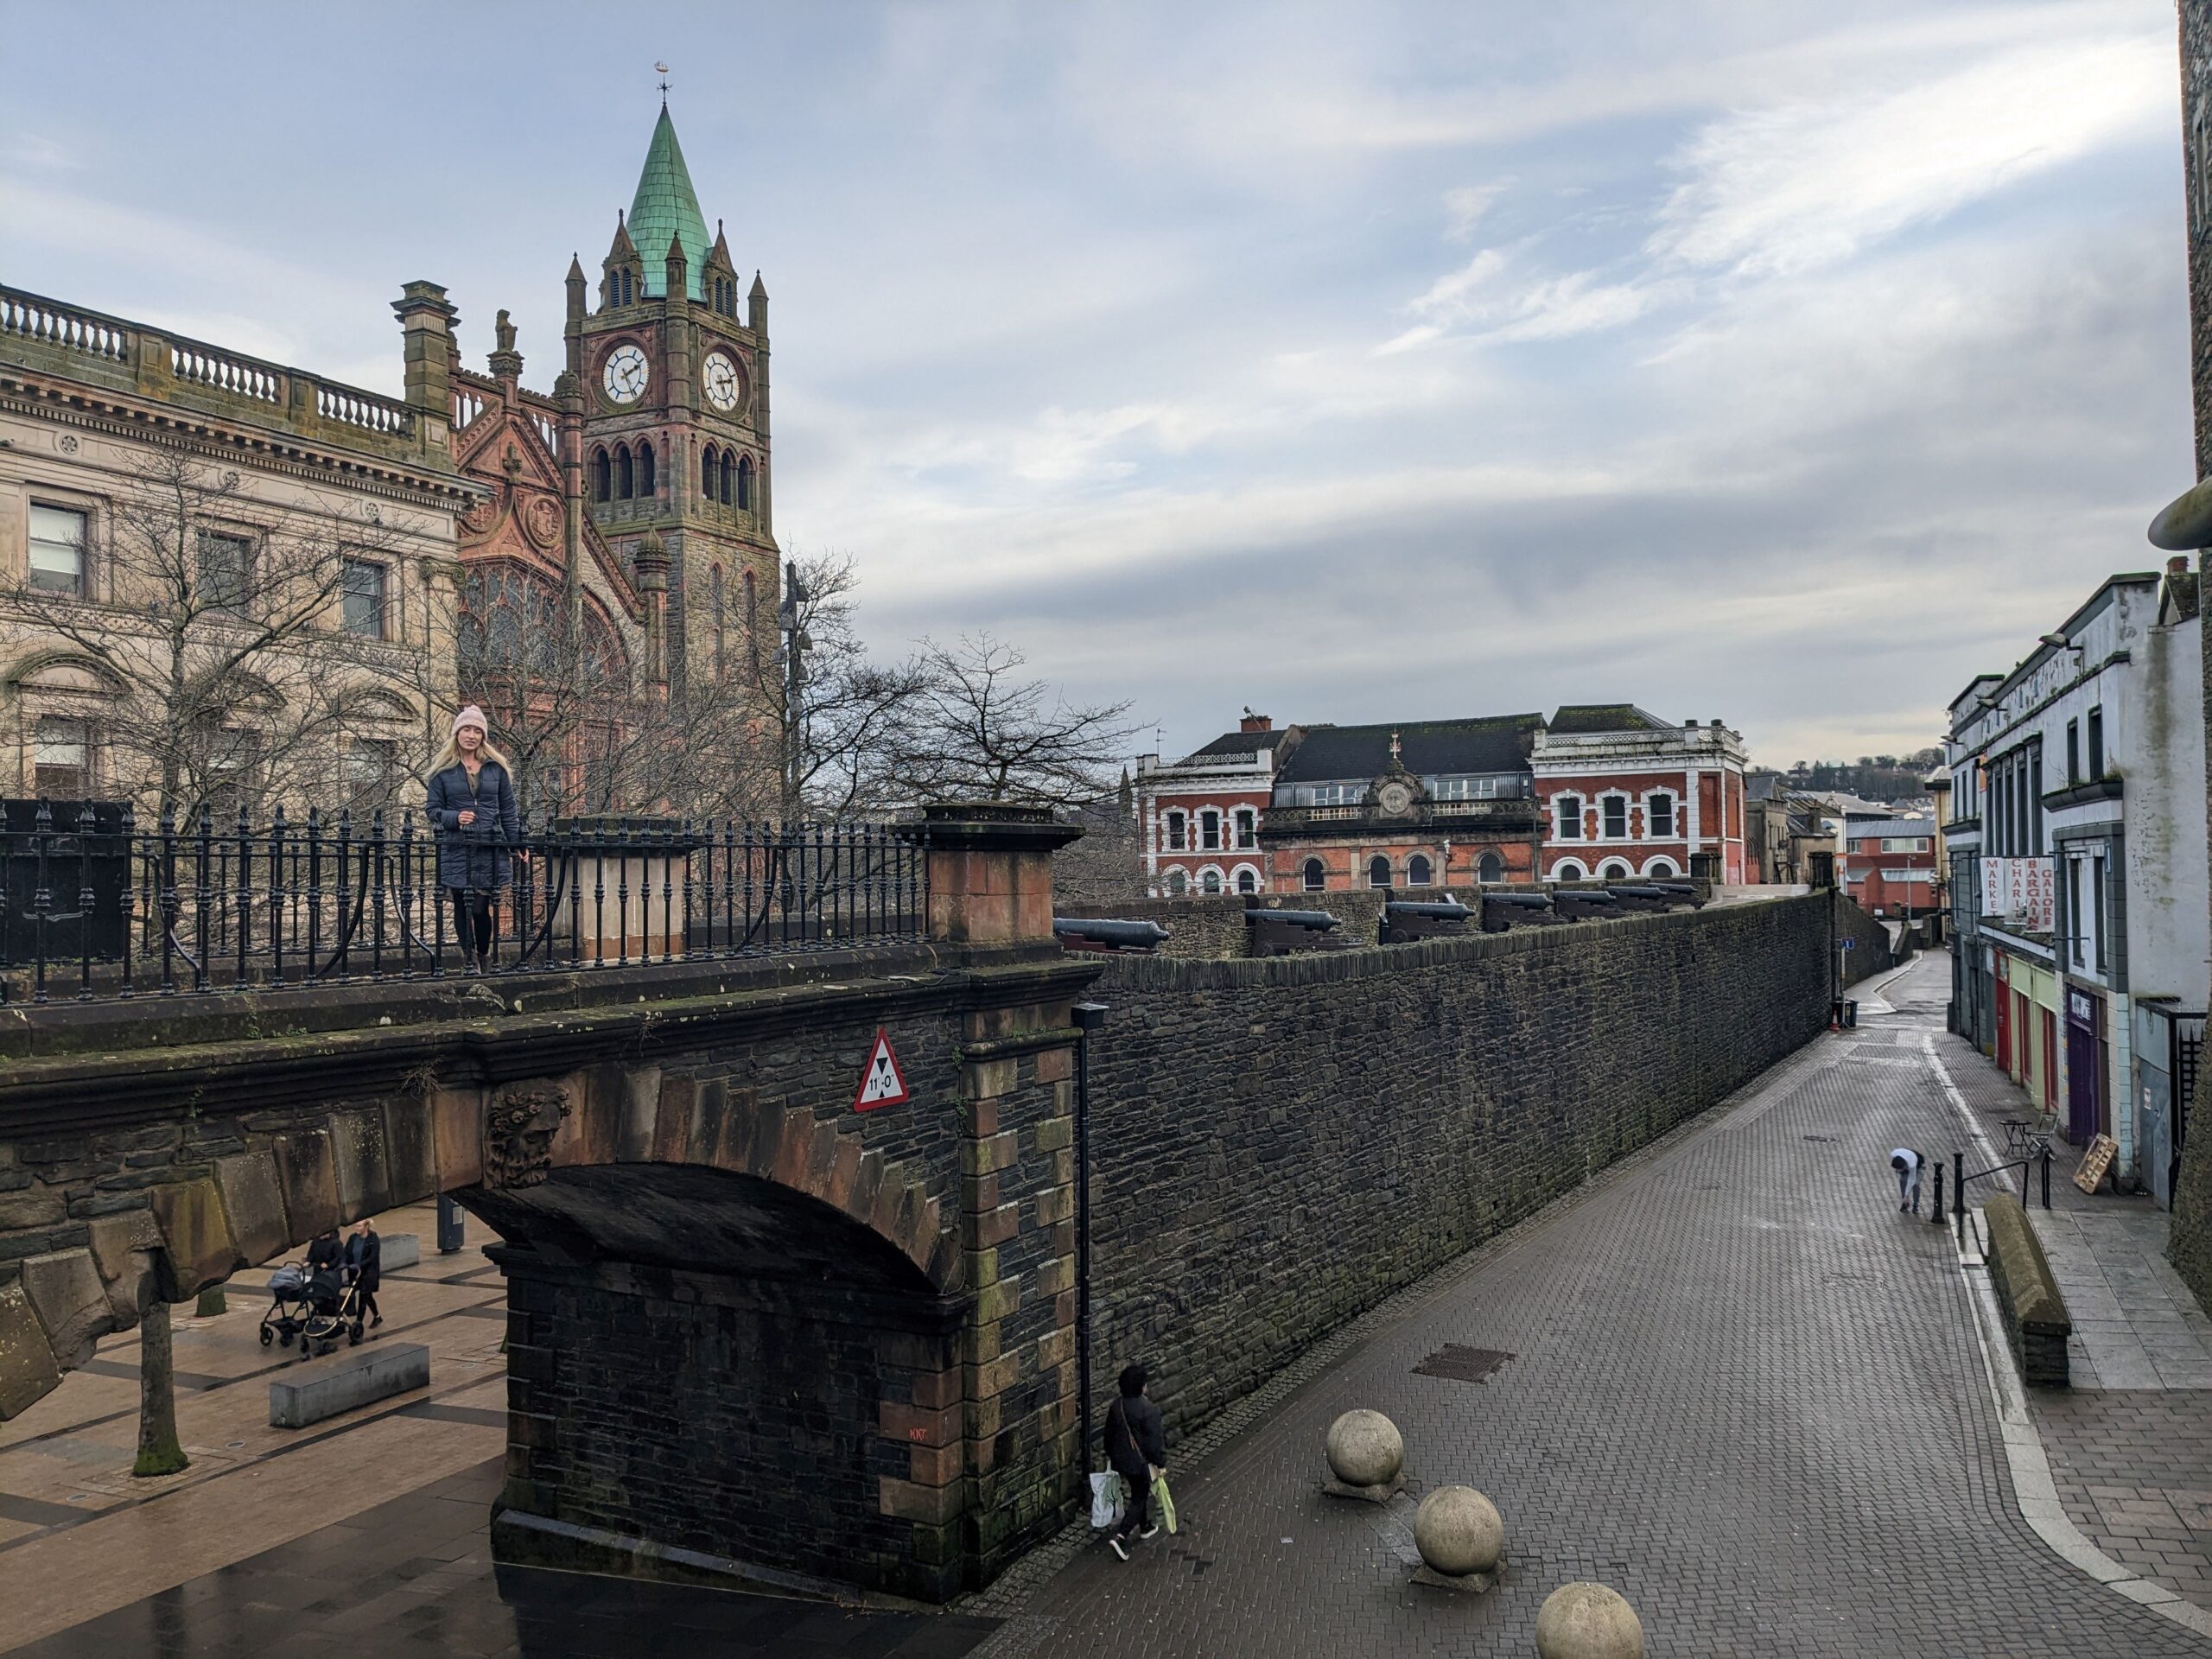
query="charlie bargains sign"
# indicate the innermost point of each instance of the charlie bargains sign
(2021, 891)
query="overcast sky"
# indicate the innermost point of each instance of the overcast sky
(1356, 362)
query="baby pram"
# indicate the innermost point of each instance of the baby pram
(313, 1306)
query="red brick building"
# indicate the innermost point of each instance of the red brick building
(1200, 816)
(1624, 794)
(1889, 866)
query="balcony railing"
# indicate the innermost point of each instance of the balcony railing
(115, 910)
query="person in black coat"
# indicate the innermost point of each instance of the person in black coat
(470, 801)
(1136, 1447)
(326, 1268)
(365, 1257)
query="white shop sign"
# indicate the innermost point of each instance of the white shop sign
(2020, 891)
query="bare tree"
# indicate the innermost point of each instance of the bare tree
(985, 732)
(221, 630)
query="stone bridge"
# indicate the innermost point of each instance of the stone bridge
(723, 1279)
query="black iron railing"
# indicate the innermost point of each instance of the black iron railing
(94, 905)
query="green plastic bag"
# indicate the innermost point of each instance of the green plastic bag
(1166, 1500)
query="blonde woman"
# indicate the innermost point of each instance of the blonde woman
(470, 800)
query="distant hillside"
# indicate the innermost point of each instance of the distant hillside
(1876, 777)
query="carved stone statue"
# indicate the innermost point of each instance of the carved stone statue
(518, 1134)
(505, 331)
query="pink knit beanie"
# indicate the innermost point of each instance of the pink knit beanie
(471, 715)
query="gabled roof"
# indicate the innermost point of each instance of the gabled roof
(664, 208)
(1577, 719)
(1243, 743)
(1429, 747)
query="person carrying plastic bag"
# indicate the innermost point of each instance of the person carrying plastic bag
(1136, 1447)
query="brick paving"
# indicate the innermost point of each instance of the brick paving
(1745, 1390)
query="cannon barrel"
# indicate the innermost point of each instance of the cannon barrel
(1525, 900)
(1319, 920)
(1103, 933)
(1450, 910)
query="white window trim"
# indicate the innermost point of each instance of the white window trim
(1559, 871)
(1652, 868)
(1627, 822)
(1259, 881)
(1675, 819)
(1581, 806)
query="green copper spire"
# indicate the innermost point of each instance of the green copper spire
(666, 207)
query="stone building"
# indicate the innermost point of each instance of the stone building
(285, 542)
(2078, 866)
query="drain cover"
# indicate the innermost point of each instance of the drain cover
(1461, 1365)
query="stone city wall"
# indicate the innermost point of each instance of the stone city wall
(1277, 1146)
(1870, 952)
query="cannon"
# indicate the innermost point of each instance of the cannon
(1639, 897)
(1283, 932)
(1405, 921)
(1100, 933)
(1683, 892)
(1502, 911)
(1583, 904)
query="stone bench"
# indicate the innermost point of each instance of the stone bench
(343, 1382)
(399, 1250)
(2035, 1321)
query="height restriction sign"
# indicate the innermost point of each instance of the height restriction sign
(882, 1084)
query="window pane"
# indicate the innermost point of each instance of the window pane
(57, 550)
(61, 750)
(1378, 872)
(1570, 817)
(1246, 882)
(224, 570)
(1663, 817)
(363, 584)
(1211, 880)
(1314, 875)
(1616, 815)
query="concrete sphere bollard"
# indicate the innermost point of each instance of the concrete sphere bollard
(1458, 1531)
(1365, 1449)
(1587, 1621)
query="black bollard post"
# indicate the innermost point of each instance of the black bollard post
(1958, 1195)
(1938, 1217)
(449, 1226)
(2046, 1174)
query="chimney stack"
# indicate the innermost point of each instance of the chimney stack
(2178, 565)
(1253, 722)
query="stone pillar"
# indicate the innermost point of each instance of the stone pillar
(990, 871)
(428, 322)
(990, 875)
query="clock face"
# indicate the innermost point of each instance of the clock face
(724, 389)
(624, 374)
(1395, 798)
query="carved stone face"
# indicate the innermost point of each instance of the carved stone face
(518, 1134)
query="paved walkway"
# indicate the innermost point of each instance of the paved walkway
(1743, 1390)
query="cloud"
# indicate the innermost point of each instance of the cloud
(1796, 186)
(1463, 208)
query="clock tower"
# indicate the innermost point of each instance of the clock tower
(672, 382)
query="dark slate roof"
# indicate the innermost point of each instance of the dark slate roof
(1492, 743)
(1242, 743)
(1575, 719)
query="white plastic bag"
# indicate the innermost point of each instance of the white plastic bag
(1109, 1499)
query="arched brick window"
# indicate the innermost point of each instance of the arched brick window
(624, 473)
(1417, 871)
(1178, 884)
(1659, 816)
(1247, 881)
(1378, 871)
(646, 481)
(1211, 881)
(1613, 871)
(1315, 876)
(601, 479)
(1567, 811)
(711, 466)
(745, 482)
(1490, 869)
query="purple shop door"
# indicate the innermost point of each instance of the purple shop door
(2081, 1081)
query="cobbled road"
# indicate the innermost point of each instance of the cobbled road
(1743, 1390)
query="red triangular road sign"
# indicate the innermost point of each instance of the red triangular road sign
(882, 1084)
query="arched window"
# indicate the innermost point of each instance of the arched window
(1247, 881)
(645, 478)
(1614, 809)
(1614, 871)
(710, 473)
(624, 474)
(1490, 869)
(1660, 868)
(1378, 871)
(1567, 811)
(729, 482)
(1659, 816)
(1568, 869)
(627, 293)
(1211, 881)
(1417, 871)
(1315, 877)
(1178, 884)
(1210, 830)
(1175, 833)
(721, 658)
(601, 486)
(745, 482)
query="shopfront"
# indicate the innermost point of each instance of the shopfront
(2088, 1113)
(2027, 1029)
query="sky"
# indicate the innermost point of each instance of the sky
(1785, 364)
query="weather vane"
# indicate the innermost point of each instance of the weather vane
(661, 69)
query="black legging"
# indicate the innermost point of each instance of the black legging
(472, 904)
